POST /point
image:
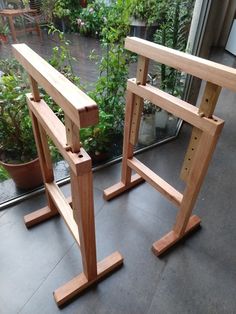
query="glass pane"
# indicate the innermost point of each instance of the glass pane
(95, 60)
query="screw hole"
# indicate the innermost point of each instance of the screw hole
(195, 138)
(192, 148)
(80, 156)
(207, 99)
(189, 158)
(186, 168)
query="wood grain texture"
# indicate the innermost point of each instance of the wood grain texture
(141, 75)
(121, 187)
(81, 109)
(189, 156)
(195, 179)
(209, 99)
(157, 182)
(128, 148)
(55, 129)
(78, 284)
(162, 245)
(64, 209)
(174, 105)
(83, 212)
(72, 135)
(202, 68)
(39, 216)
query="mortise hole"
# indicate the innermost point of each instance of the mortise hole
(81, 156)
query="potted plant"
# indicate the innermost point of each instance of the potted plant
(4, 31)
(147, 130)
(18, 154)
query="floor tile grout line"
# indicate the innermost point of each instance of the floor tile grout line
(40, 285)
(158, 282)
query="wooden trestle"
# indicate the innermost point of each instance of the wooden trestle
(206, 130)
(80, 111)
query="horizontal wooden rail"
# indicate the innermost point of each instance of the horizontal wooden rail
(207, 70)
(174, 105)
(157, 182)
(64, 209)
(80, 108)
(56, 131)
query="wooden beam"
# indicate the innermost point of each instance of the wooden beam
(157, 182)
(121, 187)
(209, 99)
(39, 216)
(64, 209)
(189, 156)
(206, 70)
(162, 245)
(78, 284)
(79, 163)
(174, 105)
(141, 74)
(81, 109)
(206, 109)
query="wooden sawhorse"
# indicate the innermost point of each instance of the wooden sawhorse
(80, 111)
(206, 130)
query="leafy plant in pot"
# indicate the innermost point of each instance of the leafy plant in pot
(18, 154)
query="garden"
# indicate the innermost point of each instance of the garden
(109, 22)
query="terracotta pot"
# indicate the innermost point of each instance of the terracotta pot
(3, 38)
(26, 176)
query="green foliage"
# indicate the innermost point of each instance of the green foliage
(62, 60)
(4, 29)
(109, 90)
(149, 11)
(173, 32)
(3, 174)
(67, 9)
(16, 136)
(91, 19)
(97, 139)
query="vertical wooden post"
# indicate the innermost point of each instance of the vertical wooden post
(196, 176)
(134, 108)
(83, 205)
(206, 109)
(83, 208)
(41, 141)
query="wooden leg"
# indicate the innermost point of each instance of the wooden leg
(184, 222)
(127, 179)
(83, 208)
(12, 28)
(47, 171)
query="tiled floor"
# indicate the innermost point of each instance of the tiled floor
(197, 276)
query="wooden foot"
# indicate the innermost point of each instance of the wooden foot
(41, 215)
(171, 238)
(78, 284)
(120, 187)
(38, 216)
